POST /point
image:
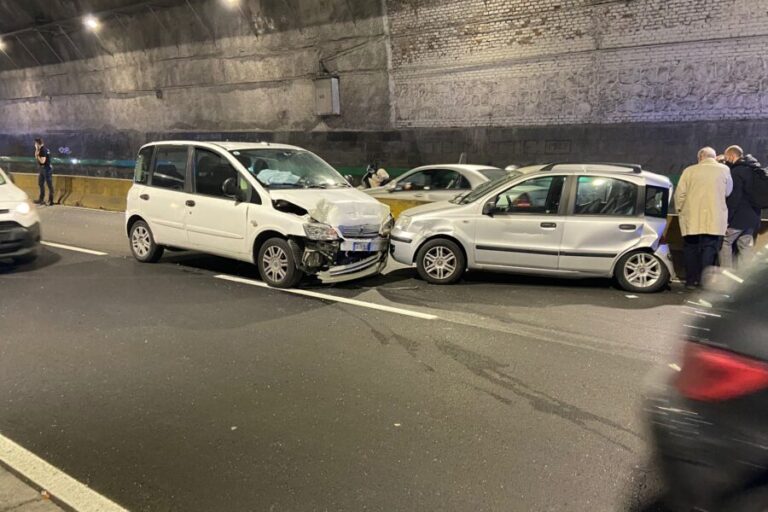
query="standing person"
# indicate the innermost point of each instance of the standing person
(700, 200)
(45, 176)
(743, 217)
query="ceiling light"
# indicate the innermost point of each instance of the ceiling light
(2, 45)
(231, 3)
(91, 23)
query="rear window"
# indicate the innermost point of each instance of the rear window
(493, 173)
(656, 201)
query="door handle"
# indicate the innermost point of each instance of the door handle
(190, 203)
(145, 197)
(548, 225)
(627, 227)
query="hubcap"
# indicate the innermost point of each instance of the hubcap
(141, 241)
(642, 270)
(275, 263)
(440, 262)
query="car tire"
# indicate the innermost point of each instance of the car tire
(276, 264)
(641, 272)
(441, 261)
(142, 242)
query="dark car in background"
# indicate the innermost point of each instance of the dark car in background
(709, 417)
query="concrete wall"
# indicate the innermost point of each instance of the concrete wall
(422, 80)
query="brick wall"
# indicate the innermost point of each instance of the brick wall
(463, 63)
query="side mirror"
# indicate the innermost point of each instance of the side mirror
(231, 189)
(489, 208)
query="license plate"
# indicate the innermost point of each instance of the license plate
(375, 245)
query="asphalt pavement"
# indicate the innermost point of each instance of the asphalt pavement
(166, 388)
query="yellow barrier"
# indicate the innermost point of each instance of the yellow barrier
(398, 206)
(98, 193)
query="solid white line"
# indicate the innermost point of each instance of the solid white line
(58, 484)
(76, 249)
(323, 296)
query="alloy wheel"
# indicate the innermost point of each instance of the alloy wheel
(141, 241)
(275, 263)
(642, 270)
(440, 262)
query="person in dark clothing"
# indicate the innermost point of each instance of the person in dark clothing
(45, 175)
(743, 217)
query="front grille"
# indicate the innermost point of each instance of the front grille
(360, 231)
(7, 225)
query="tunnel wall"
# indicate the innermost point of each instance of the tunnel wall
(422, 81)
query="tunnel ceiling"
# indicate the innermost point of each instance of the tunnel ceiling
(44, 32)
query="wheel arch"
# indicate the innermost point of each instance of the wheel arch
(647, 250)
(263, 237)
(133, 219)
(445, 236)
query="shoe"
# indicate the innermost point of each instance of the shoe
(51, 203)
(40, 202)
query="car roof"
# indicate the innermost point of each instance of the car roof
(456, 167)
(225, 145)
(627, 170)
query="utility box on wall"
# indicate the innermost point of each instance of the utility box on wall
(327, 96)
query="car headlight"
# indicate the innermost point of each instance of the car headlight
(386, 228)
(24, 208)
(403, 222)
(317, 231)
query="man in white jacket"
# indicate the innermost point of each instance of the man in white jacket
(700, 201)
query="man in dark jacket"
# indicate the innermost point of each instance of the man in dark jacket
(743, 217)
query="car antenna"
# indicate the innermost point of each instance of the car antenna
(463, 159)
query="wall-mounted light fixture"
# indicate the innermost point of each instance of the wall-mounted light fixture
(91, 23)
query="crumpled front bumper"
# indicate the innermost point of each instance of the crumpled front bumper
(367, 267)
(17, 240)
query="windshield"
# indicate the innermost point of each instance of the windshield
(289, 168)
(493, 173)
(474, 195)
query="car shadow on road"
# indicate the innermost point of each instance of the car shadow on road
(45, 259)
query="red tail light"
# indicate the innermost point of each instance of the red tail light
(712, 375)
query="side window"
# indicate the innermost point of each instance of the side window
(417, 181)
(443, 179)
(143, 161)
(596, 195)
(211, 171)
(656, 201)
(539, 195)
(170, 167)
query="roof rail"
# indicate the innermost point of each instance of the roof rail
(635, 168)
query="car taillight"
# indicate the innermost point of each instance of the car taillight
(712, 375)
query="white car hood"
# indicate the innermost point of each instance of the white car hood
(11, 194)
(336, 207)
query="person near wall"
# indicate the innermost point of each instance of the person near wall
(701, 202)
(45, 174)
(743, 217)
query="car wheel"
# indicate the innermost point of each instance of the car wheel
(641, 272)
(277, 265)
(143, 246)
(441, 261)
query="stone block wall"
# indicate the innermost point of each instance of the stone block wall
(563, 62)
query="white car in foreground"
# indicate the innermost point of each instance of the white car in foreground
(277, 206)
(19, 223)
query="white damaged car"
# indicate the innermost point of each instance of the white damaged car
(19, 223)
(280, 207)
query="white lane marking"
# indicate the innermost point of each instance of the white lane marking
(323, 296)
(58, 484)
(76, 249)
(632, 296)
